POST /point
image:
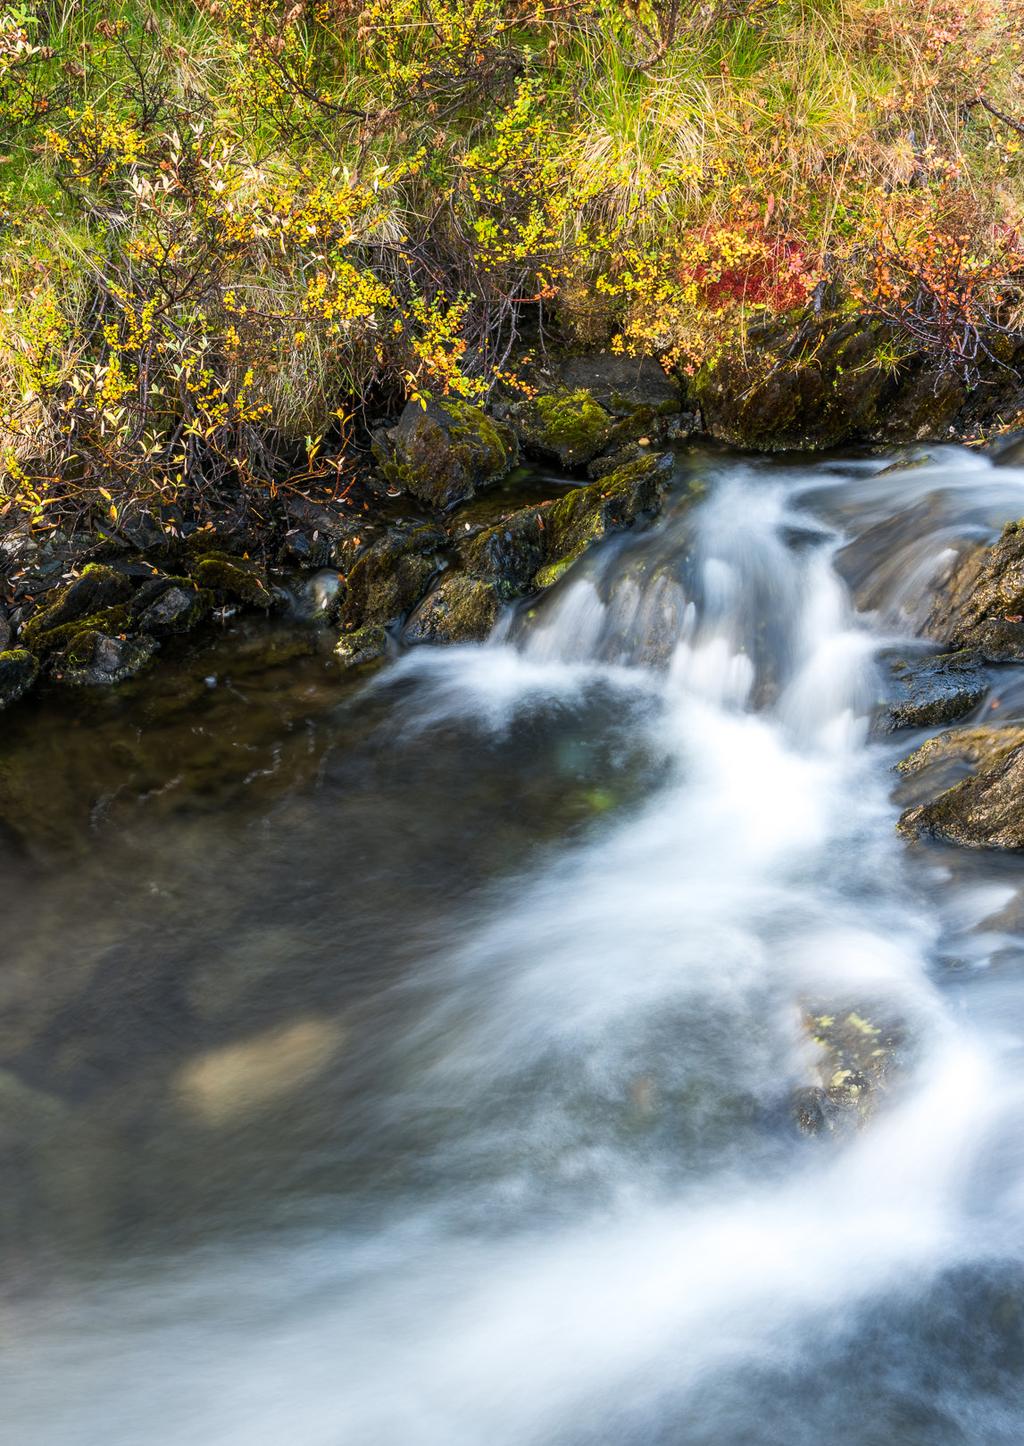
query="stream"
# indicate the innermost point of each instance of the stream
(409, 1059)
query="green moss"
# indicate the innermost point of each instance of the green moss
(112, 621)
(362, 645)
(229, 578)
(97, 588)
(569, 426)
(18, 671)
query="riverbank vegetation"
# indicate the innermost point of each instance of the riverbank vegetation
(232, 231)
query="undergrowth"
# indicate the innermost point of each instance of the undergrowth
(231, 229)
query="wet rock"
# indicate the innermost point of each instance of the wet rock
(18, 671)
(443, 453)
(980, 604)
(362, 645)
(166, 605)
(623, 385)
(5, 629)
(462, 610)
(974, 747)
(232, 579)
(508, 555)
(932, 691)
(587, 514)
(532, 548)
(94, 658)
(391, 575)
(96, 590)
(856, 1059)
(985, 810)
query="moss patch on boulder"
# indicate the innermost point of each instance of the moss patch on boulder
(19, 669)
(462, 609)
(563, 426)
(443, 453)
(230, 579)
(95, 590)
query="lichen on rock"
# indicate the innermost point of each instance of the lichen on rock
(985, 810)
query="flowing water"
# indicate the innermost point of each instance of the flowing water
(412, 1062)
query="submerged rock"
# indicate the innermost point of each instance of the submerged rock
(985, 810)
(444, 452)
(856, 1058)
(933, 690)
(19, 669)
(94, 658)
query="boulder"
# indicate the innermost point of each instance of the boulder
(855, 1059)
(932, 691)
(566, 426)
(444, 452)
(96, 590)
(623, 385)
(980, 604)
(462, 609)
(18, 671)
(985, 810)
(818, 380)
(166, 605)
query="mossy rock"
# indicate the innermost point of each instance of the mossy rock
(625, 386)
(94, 659)
(19, 669)
(390, 576)
(443, 453)
(96, 589)
(462, 610)
(112, 620)
(565, 426)
(166, 605)
(232, 579)
(587, 514)
(362, 645)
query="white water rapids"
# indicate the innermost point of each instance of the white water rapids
(591, 1220)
